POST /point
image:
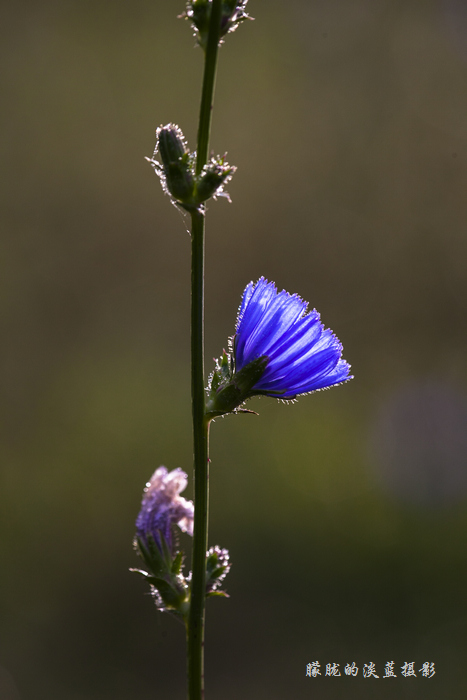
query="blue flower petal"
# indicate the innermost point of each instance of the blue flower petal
(276, 321)
(253, 310)
(302, 341)
(304, 332)
(246, 298)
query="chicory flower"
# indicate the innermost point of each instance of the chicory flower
(162, 507)
(278, 350)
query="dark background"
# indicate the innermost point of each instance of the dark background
(345, 514)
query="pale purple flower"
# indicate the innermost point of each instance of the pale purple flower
(162, 507)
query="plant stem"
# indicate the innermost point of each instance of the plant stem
(195, 639)
(195, 627)
(207, 95)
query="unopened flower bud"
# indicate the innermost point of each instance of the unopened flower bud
(212, 180)
(217, 567)
(176, 169)
(199, 13)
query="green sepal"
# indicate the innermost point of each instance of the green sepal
(199, 13)
(169, 593)
(166, 553)
(172, 594)
(169, 585)
(177, 563)
(142, 573)
(154, 550)
(226, 365)
(249, 375)
(222, 372)
(159, 563)
(212, 180)
(166, 589)
(217, 567)
(151, 555)
(213, 571)
(228, 395)
(217, 572)
(215, 381)
(179, 181)
(211, 563)
(219, 594)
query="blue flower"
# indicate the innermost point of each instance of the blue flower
(162, 506)
(302, 356)
(278, 350)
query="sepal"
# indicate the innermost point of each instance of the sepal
(177, 563)
(214, 176)
(199, 14)
(228, 389)
(169, 587)
(222, 372)
(217, 567)
(150, 553)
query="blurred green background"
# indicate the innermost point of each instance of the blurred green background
(345, 514)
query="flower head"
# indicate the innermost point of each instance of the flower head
(162, 506)
(278, 350)
(302, 356)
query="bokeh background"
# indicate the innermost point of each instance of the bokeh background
(346, 513)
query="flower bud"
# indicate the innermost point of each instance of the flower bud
(199, 13)
(212, 180)
(171, 143)
(217, 568)
(176, 170)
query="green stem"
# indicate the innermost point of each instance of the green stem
(210, 65)
(195, 627)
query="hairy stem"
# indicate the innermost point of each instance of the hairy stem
(195, 627)
(207, 95)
